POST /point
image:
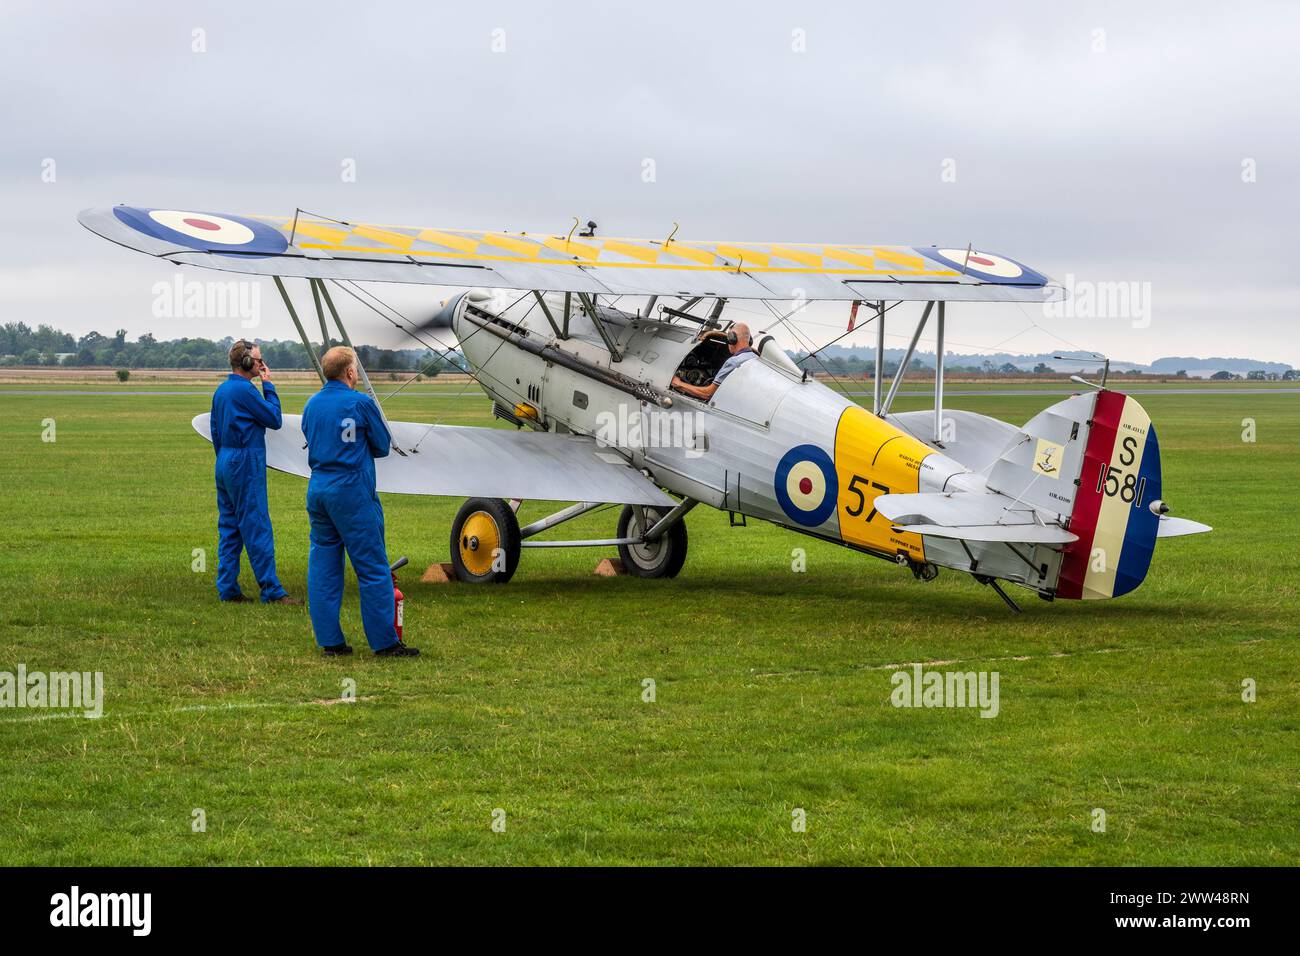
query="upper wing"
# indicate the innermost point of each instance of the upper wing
(462, 461)
(323, 249)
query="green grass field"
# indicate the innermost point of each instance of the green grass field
(772, 687)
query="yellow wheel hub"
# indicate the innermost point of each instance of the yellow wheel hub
(479, 540)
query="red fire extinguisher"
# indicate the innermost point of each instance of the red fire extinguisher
(399, 599)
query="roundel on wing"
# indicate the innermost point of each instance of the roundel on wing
(806, 485)
(985, 266)
(224, 235)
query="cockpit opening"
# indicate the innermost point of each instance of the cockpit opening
(703, 361)
(716, 356)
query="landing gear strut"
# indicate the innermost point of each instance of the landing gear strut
(486, 539)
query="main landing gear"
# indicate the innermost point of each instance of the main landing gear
(661, 557)
(486, 540)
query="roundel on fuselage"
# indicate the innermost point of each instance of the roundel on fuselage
(806, 485)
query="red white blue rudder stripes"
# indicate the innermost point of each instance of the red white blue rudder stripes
(1112, 512)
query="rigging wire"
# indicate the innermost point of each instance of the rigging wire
(783, 321)
(441, 354)
(856, 327)
(397, 325)
(948, 341)
(476, 376)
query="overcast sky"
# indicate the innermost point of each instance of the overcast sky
(1107, 142)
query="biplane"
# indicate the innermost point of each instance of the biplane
(582, 361)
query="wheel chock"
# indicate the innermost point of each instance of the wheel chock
(610, 568)
(439, 574)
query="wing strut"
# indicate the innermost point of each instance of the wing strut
(878, 381)
(938, 378)
(589, 306)
(302, 334)
(318, 291)
(549, 318)
(320, 315)
(907, 360)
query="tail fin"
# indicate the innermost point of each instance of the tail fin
(1094, 460)
(1112, 515)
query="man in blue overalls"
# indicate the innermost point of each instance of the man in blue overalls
(239, 420)
(345, 434)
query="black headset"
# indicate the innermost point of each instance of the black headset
(246, 361)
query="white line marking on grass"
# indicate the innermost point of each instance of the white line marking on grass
(191, 709)
(1008, 657)
(61, 715)
(259, 704)
(994, 660)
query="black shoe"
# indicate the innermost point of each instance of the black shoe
(237, 599)
(398, 650)
(336, 650)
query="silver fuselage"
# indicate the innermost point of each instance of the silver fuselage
(759, 448)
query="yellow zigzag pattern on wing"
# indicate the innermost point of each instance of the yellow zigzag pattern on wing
(609, 252)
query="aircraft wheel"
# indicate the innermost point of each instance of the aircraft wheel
(485, 541)
(651, 559)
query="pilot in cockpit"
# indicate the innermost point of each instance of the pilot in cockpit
(740, 345)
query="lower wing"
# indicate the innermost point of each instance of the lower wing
(462, 462)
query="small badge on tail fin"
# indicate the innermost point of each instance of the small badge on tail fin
(1048, 457)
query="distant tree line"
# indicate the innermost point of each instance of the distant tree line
(21, 345)
(865, 367)
(854, 365)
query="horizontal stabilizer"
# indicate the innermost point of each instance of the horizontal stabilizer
(1011, 534)
(1177, 527)
(464, 462)
(951, 509)
(971, 516)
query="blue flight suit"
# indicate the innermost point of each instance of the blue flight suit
(345, 434)
(240, 417)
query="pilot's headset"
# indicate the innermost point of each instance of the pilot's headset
(246, 361)
(733, 338)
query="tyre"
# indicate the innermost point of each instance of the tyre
(651, 559)
(485, 541)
